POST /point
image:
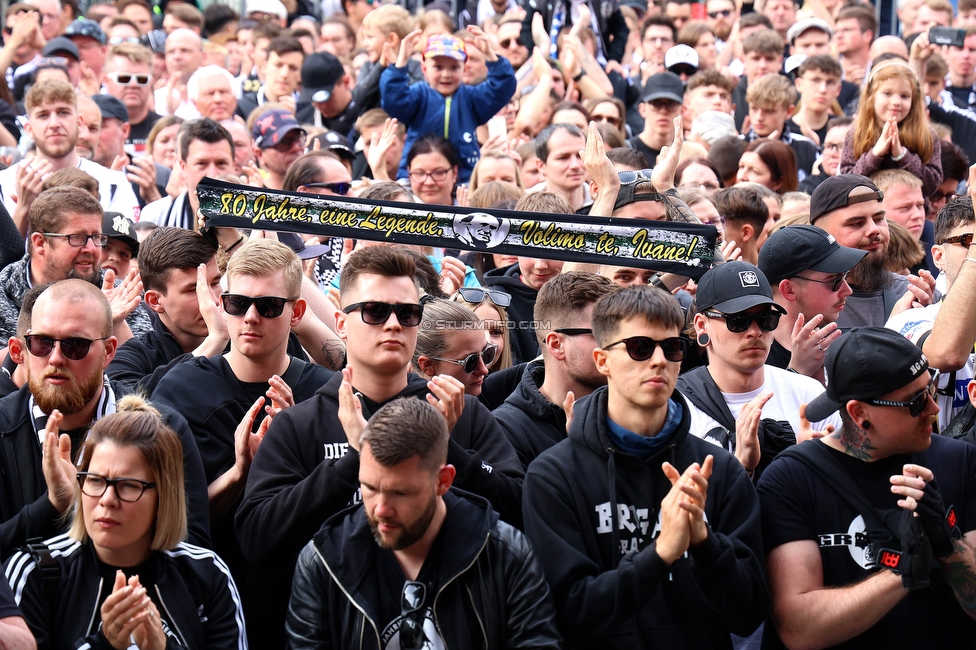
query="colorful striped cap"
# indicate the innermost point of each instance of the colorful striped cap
(445, 45)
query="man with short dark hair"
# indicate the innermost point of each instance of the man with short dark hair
(628, 553)
(747, 219)
(762, 55)
(660, 104)
(329, 98)
(558, 147)
(282, 76)
(854, 30)
(863, 548)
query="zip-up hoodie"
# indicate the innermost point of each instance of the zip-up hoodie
(488, 578)
(612, 590)
(521, 336)
(532, 423)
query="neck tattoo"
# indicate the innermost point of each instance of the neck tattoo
(855, 442)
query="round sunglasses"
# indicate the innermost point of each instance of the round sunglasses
(470, 362)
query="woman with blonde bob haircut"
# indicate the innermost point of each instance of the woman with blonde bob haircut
(125, 577)
(495, 165)
(452, 341)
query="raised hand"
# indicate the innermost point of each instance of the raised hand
(747, 449)
(807, 432)
(447, 396)
(379, 145)
(142, 172)
(280, 394)
(124, 298)
(809, 344)
(59, 471)
(125, 609)
(598, 166)
(482, 42)
(407, 46)
(350, 411)
(30, 177)
(667, 160)
(883, 146)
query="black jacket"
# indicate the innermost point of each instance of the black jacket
(488, 577)
(192, 590)
(531, 422)
(521, 336)
(613, 29)
(25, 510)
(612, 590)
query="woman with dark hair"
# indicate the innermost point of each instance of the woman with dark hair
(770, 163)
(432, 164)
(124, 576)
(698, 174)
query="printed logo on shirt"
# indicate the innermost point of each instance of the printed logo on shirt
(856, 541)
(630, 519)
(336, 450)
(748, 279)
(432, 640)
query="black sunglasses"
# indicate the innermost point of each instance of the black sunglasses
(507, 42)
(574, 331)
(377, 313)
(476, 296)
(916, 404)
(267, 306)
(73, 347)
(965, 239)
(740, 321)
(835, 282)
(724, 13)
(412, 600)
(641, 348)
(339, 188)
(470, 362)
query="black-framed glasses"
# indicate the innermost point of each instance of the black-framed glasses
(916, 404)
(377, 313)
(129, 490)
(419, 175)
(834, 283)
(75, 348)
(267, 306)
(77, 240)
(641, 348)
(574, 331)
(738, 322)
(338, 188)
(476, 296)
(723, 13)
(965, 240)
(939, 195)
(470, 362)
(412, 601)
(127, 79)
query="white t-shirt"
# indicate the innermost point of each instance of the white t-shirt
(789, 389)
(114, 189)
(915, 323)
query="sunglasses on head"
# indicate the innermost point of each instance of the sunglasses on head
(267, 306)
(916, 404)
(377, 313)
(73, 347)
(470, 362)
(338, 188)
(476, 296)
(412, 601)
(629, 177)
(834, 283)
(641, 348)
(740, 321)
(126, 79)
(966, 240)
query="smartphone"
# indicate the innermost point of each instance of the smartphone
(947, 36)
(497, 127)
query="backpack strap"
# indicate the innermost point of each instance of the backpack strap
(295, 369)
(50, 573)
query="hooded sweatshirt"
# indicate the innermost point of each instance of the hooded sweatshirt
(531, 422)
(521, 335)
(612, 590)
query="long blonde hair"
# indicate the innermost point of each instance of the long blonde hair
(913, 131)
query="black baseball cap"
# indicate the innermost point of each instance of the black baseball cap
(111, 107)
(117, 226)
(664, 85)
(865, 364)
(792, 250)
(297, 244)
(335, 142)
(733, 287)
(834, 193)
(320, 72)
(61, 45)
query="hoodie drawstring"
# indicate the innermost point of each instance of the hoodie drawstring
(614, 516)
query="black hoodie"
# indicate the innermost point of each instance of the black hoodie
(521, 335)
(305, 472)
(612, 590)
(531, 422)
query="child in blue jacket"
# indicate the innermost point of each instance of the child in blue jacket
(444, 105)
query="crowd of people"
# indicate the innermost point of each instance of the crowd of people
(214, 437)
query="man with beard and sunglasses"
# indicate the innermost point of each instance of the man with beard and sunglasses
(869, 532)
(651, 535)
(433, 567)
(533, 416)
(848, 206)
(738, 402)
(230, 399)
(65, 353)
(307, 469)
(64, 240)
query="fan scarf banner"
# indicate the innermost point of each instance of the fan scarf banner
(675, 247)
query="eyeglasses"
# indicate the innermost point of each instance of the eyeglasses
(916, 404)
(290, 141)
(832, 146)
(267, 306)
(377, 313)
(833, 283)
(741, 321)
(724, 13)
(77, 240)
(641, 348)
(126, 79)
(339, 188)
(939, 195)
(419, 175)
(965, 240)
(678, 70)
(470, 362)
(476, 296)
(118, 40)
(129, 490)
(412, 600)
(73, 347)
(506, 43)
(60, 61)
(573, 331)
(707, 186)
